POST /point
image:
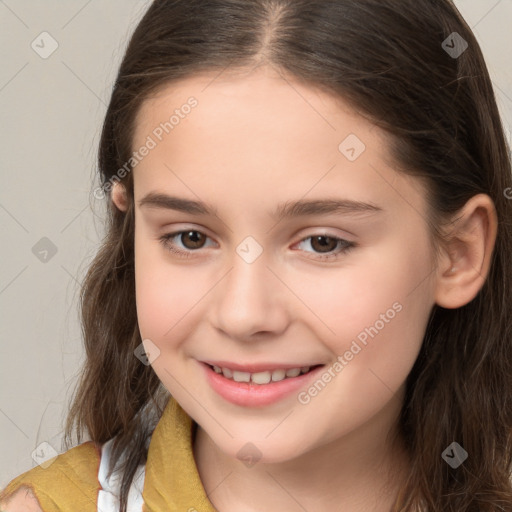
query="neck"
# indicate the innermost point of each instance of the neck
(360, 471)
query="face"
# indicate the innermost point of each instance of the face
(348, 289)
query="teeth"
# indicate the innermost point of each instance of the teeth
(278, 375)
(292, 372)
(241, 376)
(261, 377)
(227, 373)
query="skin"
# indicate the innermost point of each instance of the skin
(255, 140)
(22, 501)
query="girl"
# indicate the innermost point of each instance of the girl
(303, 301)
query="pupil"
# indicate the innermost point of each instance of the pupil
(196, 238)
(323, 244)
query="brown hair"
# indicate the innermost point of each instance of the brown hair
(385, 58)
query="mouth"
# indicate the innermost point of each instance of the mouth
(262, 388)
(262, 377)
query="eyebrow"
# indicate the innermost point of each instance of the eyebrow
(289, 209)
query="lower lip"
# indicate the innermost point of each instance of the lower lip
(248, 394)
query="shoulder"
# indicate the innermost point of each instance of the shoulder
(22, 500)
(67, 481)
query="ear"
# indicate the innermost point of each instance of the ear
(119, 196)
(466, 258)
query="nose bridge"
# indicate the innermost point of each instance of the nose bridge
(248, 298)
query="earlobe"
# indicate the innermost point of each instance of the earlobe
(466, 259)
(119, 198)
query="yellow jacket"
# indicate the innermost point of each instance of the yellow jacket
(171, 484)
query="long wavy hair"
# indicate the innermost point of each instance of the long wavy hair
(388, 60)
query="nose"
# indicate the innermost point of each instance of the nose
(250, 301)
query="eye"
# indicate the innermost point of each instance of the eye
(326, 243)
(191, 238)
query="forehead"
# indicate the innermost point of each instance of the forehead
(256, 100)
(257, 132)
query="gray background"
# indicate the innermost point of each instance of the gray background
(52, 110)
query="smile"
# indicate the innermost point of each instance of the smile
(258, 389)
(264, 377)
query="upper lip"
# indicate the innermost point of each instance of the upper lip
(258, 367)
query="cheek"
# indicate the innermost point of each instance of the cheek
(160, 295)
(374, 310)
(352, 296)
(168, 295)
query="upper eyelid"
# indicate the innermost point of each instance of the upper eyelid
(343, 246)
(173, 234)
(320, 232)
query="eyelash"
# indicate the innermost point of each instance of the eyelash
(165, 241)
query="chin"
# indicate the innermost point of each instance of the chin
(255, 452)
